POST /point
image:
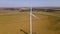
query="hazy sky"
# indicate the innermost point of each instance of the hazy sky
(27, 3)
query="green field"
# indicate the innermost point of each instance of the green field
(12, 23)
(48, 23)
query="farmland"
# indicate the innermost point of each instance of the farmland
(48, 23)
(14, 22)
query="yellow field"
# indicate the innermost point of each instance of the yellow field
(13, 23)
(48, 23)
(18, 23)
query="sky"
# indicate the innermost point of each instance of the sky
(29, 3)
